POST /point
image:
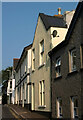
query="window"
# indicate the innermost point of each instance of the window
(41, 52)
(33, 59)
(74, 109)
(25, 68)
(81, 56)
(72, 60)
(58, 67)
(25, 91)
(10, 84)
(59, 108)
(21, 92)
(42, 93)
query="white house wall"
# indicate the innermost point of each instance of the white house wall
(61, 33)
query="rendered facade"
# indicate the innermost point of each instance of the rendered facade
(43, 42)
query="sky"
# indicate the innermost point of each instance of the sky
(19, 20)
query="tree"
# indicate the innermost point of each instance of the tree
(4, 77)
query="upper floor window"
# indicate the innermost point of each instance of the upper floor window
(10, 84)
(25, 68)
(81, 56)
(74, 109)
(58, 67)
(33, 59)
(59, 108)
(41, 52)
(72, 60)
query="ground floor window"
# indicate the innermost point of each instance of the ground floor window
(74, 107)
(42, 93)
(59, 108)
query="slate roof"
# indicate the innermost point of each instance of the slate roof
(52, 21)
(73, 22)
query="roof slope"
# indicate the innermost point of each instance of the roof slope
(52, 21)
(73, 22)
(23, 53)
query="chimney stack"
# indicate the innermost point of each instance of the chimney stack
(59, 11)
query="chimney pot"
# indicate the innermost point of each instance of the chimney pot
(59, 11)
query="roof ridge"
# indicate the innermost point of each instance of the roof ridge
(50, 15)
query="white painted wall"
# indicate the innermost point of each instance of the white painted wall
(68, 15)
(61, 33)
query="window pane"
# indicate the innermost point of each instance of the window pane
(74, 59)
(42, 46)
(10, 84)
(58, 67)
(75, 107)
(59, 108)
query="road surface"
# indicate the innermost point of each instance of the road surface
(7, 114)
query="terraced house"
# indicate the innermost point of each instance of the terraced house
(67, 71)
(33, 72)
(50, 31)
(23, 80)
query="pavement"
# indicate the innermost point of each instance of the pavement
(24, 113)
(7, 114)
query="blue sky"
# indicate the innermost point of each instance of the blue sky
(19, 21)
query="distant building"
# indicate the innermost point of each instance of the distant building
(9, 91)
(67, 71)
(23, 79)
(0, 94)
(11, 84)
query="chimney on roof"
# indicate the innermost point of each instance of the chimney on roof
(59, 11)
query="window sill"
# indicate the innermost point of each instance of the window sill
(72, 72)
(43, 106)
(59, 77)
(41, 66)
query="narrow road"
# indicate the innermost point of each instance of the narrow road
(8, 114)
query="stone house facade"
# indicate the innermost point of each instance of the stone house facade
(67, 71)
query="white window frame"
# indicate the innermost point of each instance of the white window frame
(59, 114)
(58, 67)
(41, 52)
(74, 108)
(42, 93)
(71, 63)
(25, 85)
